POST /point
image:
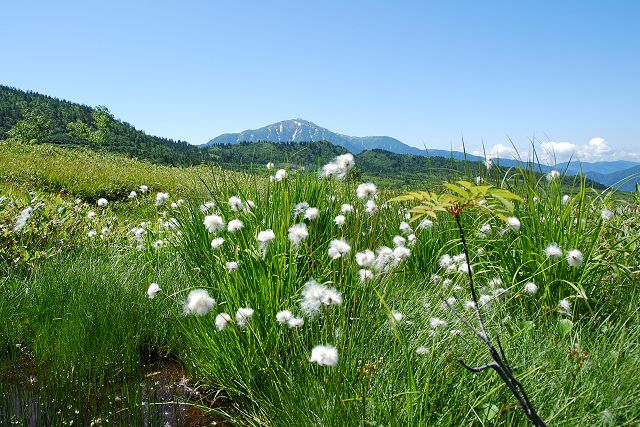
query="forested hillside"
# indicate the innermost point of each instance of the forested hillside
(32, 116)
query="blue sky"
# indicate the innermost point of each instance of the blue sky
(427, 73)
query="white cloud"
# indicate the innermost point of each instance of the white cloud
(505, 152)
(551, 152)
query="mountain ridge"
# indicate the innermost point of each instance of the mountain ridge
(299, 130)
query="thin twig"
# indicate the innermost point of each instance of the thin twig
(500, 363)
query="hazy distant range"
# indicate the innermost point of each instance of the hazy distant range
(299, 130)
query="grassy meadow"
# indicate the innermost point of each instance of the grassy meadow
(291, 299)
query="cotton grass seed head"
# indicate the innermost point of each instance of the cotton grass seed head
(243, 315)
(606, 214)
(284, 316)
(514, 223)
(300, 208)
(298, 233)
(132, 195)
(484, 300)
(422, 351)
(213, 223)
(198, 302)
(445, 261)
(153, 290)
(222, 320)
(399, 241)
(575, 258)
(102, 202)
(425, 224)
(437, 323)
(365, 258)
(217, 242)
(405, 227)
(553, 175)
(296, 322)
(234, 225)
(161, 198)
(235, 203)
(340, 220)
(385, 260)
(531, 288)
(266, 236)
(564, 307)
(316, 296)
(280, 175)
(346, 208)
(553, 251)
(324, 355)
(231, 266)
(370, 207)
(365, 275)
(396, 317)
(401, 253)
(338, 248)
(345, 162)
(366, 190)
(311, 213)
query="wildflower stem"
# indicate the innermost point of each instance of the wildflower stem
(499, 364)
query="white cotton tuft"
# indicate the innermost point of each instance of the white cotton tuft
(217, 242)
(514, 223)
(235, 203)
(324, 355)
(266, 236)
(575, 258)
(365, 258)
(346, 208)
(315, 296)
(298, 233)
(531, 288)
(213, 223)
(365, 275)
(222, 320)
(198, 302)
(153, 290)
(234, 225)
(311, 213)
(243, 315)
(366, 190)
(161, 198)
(338, 248)
(280, 175)
(553, 251)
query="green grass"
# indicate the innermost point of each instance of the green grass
(90, 175)
(84, 309)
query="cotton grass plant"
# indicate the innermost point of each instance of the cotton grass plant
(264, 364)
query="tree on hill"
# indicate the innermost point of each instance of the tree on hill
(32, 127)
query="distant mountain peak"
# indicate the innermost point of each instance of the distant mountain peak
(302, 130)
